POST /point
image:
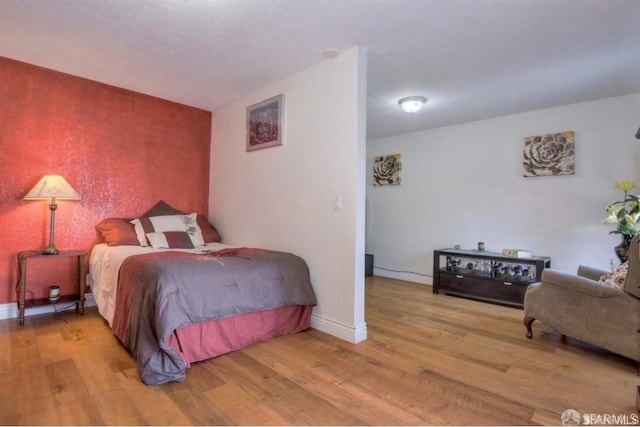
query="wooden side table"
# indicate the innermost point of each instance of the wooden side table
(77, 297)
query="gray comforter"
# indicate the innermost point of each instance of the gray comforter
(163, 294)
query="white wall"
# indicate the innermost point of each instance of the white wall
(282, 197)
(464, 184)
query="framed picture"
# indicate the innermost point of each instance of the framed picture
(387, 170)
(549, 154)
(264, 123)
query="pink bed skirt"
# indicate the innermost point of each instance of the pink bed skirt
(204, 340)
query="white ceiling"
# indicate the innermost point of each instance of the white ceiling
(473, 59)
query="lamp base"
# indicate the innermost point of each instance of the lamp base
(50, 250)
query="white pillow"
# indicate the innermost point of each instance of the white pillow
(153, 224)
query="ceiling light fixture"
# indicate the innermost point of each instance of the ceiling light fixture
(412, 104)
(331, 53)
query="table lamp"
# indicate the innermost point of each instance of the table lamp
(52, 187)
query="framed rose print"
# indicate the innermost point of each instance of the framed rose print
(264, 123)
(387, 170)
(550, 154)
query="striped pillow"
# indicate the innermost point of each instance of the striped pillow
(153, 224)
(170, 240)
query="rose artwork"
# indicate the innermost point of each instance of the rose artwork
(550, 154)
(387, 170)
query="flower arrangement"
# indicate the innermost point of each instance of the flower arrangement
(625, 213)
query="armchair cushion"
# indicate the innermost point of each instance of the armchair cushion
(591, 272)
(578, 284)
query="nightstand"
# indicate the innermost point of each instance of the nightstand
(77, 298)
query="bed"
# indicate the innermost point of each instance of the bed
(171, 307)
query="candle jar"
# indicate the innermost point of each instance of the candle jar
(54, 293)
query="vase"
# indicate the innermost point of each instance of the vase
(622, 249)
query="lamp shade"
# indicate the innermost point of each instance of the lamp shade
(52, 187)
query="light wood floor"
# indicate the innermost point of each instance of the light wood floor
(430, 359)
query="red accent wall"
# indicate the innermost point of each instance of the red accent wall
(122, 151)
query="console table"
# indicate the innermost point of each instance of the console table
(486, 276)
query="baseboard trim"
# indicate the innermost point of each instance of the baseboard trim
(409, 277)
(10, 310)
(352, 334)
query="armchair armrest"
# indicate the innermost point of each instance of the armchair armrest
(578, 284)
(591, 272)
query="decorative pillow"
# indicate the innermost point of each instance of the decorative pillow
(616, 278)
(118, 232)
(161, 208)
(170, 240)
(209, 232)
(185, 223)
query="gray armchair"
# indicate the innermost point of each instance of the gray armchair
(581, 307)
